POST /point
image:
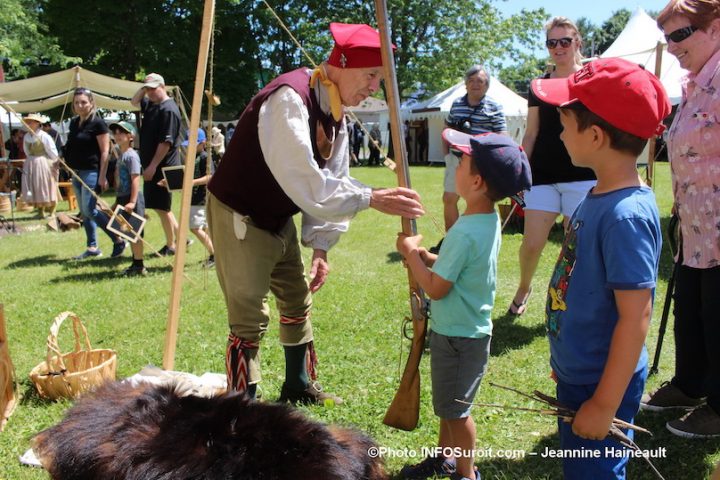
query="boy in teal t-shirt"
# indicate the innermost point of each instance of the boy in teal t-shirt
(461, 285)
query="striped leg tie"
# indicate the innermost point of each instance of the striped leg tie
(293, 320)
(236, 365)
(311, 361)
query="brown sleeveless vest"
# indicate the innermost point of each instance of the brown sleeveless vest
(243, 180)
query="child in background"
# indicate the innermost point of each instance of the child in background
(201, 177)
(217, 145)
(601, 293)
(128, 172)
(462, 287)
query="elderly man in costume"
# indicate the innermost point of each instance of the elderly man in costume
(289, 154)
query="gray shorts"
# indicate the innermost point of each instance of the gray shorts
(451, 166)
(197, 216)
(457, 364)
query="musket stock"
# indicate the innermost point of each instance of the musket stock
(404, 410)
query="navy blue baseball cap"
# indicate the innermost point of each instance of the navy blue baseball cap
(500, 161)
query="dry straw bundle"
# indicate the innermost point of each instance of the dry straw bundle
(7, 375)
(69, 375)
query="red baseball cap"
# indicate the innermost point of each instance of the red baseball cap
(356, 46)
(620, 92)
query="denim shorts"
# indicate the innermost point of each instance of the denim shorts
(557, 197)
(457, 366)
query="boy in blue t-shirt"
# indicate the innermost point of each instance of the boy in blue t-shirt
(601, 292)
(462, 287)
(128, 192)
(204, 170)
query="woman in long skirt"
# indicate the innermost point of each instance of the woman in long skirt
(40, 171)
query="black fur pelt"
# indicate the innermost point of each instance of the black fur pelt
(150, 432)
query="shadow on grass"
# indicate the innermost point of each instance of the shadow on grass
(393, 257)
(29, 396)
(509, 335)
(38, 261)
(681, 455)
(557, 234)
(675, 457)
(112, 272)
(525, 465)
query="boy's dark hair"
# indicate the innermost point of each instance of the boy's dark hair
(619, 139)
(492, 192)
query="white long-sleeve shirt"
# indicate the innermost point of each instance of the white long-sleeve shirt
(47, 141)
(328, 197)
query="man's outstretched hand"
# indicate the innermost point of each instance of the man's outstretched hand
(397, 201)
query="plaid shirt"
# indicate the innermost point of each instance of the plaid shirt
(486, 116)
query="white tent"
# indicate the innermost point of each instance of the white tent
(372, 110)
(54, 89)
(437, 108)
(8, 121)
(638, 42)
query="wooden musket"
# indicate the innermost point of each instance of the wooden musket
(404, 410)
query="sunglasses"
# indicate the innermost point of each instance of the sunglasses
(553, 42)
(82, 91)
(680, 34)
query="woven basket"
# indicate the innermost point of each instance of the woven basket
(69, 375)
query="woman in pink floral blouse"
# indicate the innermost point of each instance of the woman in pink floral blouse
(692, 30)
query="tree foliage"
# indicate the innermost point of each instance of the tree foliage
(597, 39)
(25, 43)
(135, 37)
(437, 40)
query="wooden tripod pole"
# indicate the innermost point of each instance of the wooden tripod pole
(404, 410)
(8, 400)
(393, 100)
(176, 287)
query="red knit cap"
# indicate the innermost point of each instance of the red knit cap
(356, 46)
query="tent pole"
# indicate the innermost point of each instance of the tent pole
(176, 287)
(649, 176)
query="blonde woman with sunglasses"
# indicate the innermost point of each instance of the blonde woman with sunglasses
(558, 186)
(86, 152)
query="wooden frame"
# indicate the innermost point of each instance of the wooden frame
(173, 177)
(129, 228)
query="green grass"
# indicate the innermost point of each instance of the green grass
(357, 319)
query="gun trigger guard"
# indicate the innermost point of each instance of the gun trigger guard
(407, 321)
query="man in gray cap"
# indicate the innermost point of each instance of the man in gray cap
(159, 139)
